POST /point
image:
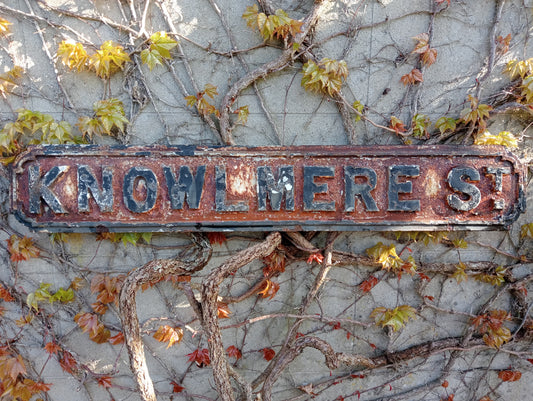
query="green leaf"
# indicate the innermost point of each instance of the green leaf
(395, 318)
(151, 58)
(162, 44)
(444, 124)
(243, 113)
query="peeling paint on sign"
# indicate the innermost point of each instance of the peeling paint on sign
(182, 188)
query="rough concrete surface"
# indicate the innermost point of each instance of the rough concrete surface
(375, 38)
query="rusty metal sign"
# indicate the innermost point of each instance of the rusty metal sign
(345, 188)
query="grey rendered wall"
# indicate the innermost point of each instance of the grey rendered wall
(375, 39)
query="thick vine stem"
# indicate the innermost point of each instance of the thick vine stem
(152, 271)
(333, 360)
(210, 289)
(278, 64)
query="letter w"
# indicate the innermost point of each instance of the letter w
(185, 185)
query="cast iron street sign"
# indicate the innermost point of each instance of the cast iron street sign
(91, 188)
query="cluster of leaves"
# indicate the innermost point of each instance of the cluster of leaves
(108, 289)
(159, 50)
(526, 230)
(126, 238)
(200, 357)
(21, 248)
(497, 278)
(110, 58)
(202, 104)
(109, 119)
(278, 26)
(426, 237)
(490, 325)
(169, 334)
(427, 54)
(476, 114)
(325, 77)
(504, 138)
(395, 318)
(89, 322)
(43, 294)
(14, 383)
(15, 136)
(389, 259)
(420, 125)
(8, 80)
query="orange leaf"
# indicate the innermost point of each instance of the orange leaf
(101, 335)
(268, 353)
(275, 263)
(52, 348)
(368, 284)
(200, 356)
(223, 310)
(317, 257)
(429, 57)
(413, 77)
(268, 289)
(169, 334)
(36, 387)
(510, 375)
(397, 125)
(176, 388)
(234, 352)
(117, 338)
(445, 384)
(104, 381)
(5, 295)
(21, 248)
(14, 366)
(87, 321)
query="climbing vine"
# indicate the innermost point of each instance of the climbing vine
(289, 316)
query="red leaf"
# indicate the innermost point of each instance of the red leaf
(268, 353)
(429, 298)
(200, 356)
(52, 348)
(36, 387)
(530, 361)
(445, 384)
(104, 381)
(117, 338)
(317, 257)
(176, 388)
(368, 284)
(68, 363)
(5, 295)
(357, 376)
(510, 375)
(373, 346)
(424, 277)
(234, 352)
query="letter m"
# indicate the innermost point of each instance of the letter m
(267, 185)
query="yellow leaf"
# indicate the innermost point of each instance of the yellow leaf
(4, 26)
(504, 138)
(73, 55)
(109, 59)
